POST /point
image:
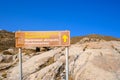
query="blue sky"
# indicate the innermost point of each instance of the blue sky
(81, 17)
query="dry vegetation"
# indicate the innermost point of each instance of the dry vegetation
(7, 40)
(106, 38)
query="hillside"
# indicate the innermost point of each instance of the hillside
(87, 61)
(91, 57)
(7, 40)
(93, 36)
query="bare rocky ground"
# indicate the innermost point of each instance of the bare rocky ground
(89, 59)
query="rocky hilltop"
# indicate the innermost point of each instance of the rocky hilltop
(91, 57)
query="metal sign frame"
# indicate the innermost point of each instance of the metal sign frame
(42, 38)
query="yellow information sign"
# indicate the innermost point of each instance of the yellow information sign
(42, 38)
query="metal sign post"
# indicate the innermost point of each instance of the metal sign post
(20, 63)
(67, 65)
(42, 39)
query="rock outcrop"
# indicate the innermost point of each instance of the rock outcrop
(92, 57)
(87, 61)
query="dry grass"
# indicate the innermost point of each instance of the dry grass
(106, 38)
(70, 78)
(4, 75)
(7, 40)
